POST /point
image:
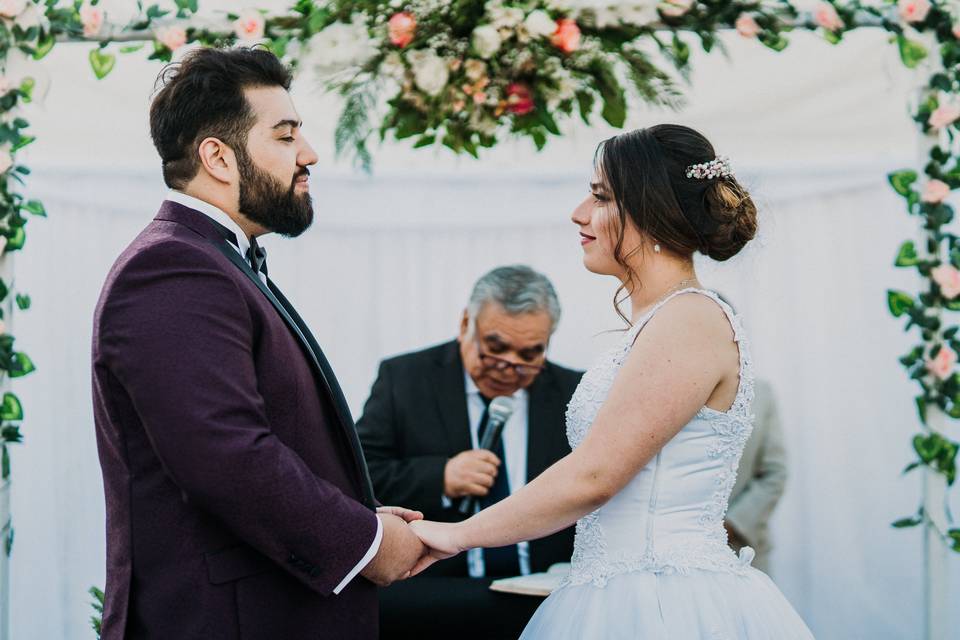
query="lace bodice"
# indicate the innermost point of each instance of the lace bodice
(669, 517)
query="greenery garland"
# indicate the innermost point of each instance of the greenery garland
(466, 74)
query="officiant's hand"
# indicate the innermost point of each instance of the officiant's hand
(441, 539)
(470, 473)
(400, 550)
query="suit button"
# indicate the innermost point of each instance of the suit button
(293, 559)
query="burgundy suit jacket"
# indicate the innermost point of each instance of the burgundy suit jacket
(237, 496)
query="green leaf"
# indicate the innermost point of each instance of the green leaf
(424, 141)
(44, 45)
(21, 365)
(907, 255)
(899, 302)
(901, 180)
(922, 408)
(911, 51)
(36, 208)
(11, 409)
(23, 301)
(16, 240)
(4, 462)
(913, 465)
(927, 447)
(585, 104)
(907, 522)
(102, 63)
(133, 48)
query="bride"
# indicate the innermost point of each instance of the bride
(657, 425)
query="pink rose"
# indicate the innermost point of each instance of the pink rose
(12, 8)
(92, 19)
(913, 10)
(519, 99)
(747, 26)
(250, 25)
(567, 36)
(172, 37)
(948, 278)
(944, 115)
(479, 97)
(402, 27)
(675, 8)
(956, 31)
(826, 16)
(935, 192)
(942, 365)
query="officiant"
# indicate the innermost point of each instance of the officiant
(421, 428)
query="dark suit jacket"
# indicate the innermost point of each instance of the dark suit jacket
(237, 497)
(416, 419)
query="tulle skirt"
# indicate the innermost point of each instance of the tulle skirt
(695, 605)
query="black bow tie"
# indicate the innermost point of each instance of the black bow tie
(257, 256)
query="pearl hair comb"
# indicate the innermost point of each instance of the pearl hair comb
(719, 167)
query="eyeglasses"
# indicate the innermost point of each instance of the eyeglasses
(490, 361)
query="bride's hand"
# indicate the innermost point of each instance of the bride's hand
(440, 539)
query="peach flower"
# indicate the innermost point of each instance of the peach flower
(826, 16)
(92, 19)
(12, 8)
(956, 31)
(567, 36)
(250, 25)
(944, 115)
(935, 192)
(747, 26)
(402, 27)
(913, 10)
(172, 37)
(942, 365)
(948, 278)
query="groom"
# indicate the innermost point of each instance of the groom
(237, 497)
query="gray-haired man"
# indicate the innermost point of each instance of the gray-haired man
(422, 423)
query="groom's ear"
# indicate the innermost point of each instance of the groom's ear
(218, 160)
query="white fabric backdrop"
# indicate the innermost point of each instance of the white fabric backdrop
(391, 259)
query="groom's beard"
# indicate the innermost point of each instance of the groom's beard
(271, 204)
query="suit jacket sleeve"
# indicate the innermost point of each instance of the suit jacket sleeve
(177, 335)
(751, 510)
(415, 482)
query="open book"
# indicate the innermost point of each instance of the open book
(535, 584)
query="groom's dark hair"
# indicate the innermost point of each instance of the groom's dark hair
(201, 97)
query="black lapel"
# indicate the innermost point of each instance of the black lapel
(317, 359)
(451, 395)
(546, 410)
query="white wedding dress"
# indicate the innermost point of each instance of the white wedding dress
(653, 563)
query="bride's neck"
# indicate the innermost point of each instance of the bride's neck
(656, 277)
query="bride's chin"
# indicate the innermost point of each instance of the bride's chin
(599, 267)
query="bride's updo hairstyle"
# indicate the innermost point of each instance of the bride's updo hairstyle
(646, 175)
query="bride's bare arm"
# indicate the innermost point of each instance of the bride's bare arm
(668, 376)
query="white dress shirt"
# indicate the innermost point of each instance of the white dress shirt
(515, 450)
(244, 245)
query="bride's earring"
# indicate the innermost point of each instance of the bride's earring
(656, 248)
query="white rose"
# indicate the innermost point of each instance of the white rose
(505, 17)
(639, 14)
(393, 67)
(343, 45)
(539, 24)
(430, 71)
(486, 40)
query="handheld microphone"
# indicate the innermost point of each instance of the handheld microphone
(499, 411)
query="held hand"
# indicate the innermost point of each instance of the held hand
(470, 473)
(441, 539)
(400, 551)
(408, 515)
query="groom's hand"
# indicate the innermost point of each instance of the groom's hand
(399, 552)
(408, 515)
